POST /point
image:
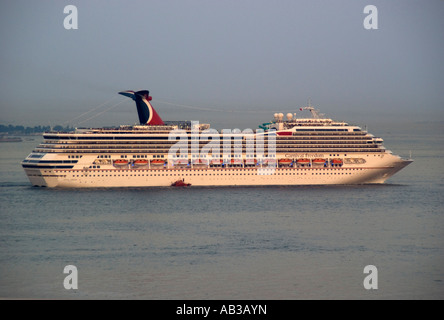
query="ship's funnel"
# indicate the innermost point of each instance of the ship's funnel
(147, 114)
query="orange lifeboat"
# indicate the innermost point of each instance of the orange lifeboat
(217, 161)
(157, 163)
(250, 162)
(318, 162)
(235, 161)
(336, 162)
(285, 162)
(303, 162)
(120, 162)
(270, 162)
(181, 163)
(200, 162)
(140, 163)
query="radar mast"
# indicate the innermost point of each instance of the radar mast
(314, 112)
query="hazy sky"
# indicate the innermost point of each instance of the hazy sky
(251, 57)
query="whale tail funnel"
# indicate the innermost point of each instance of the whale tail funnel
(147, 114)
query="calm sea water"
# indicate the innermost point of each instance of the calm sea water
(229, 243)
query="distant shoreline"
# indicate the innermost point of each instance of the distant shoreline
(19, 130)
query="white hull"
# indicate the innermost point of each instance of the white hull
(93, 178)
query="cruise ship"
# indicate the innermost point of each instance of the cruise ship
(156, 153)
